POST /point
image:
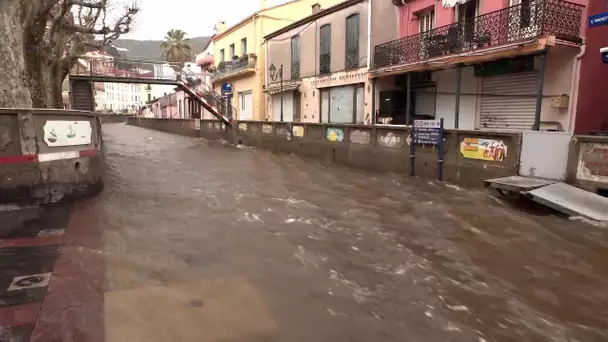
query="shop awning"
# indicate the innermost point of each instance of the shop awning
(275, 88)
(453, 3)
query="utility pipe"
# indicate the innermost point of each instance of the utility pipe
(576, 70)
(369, 34)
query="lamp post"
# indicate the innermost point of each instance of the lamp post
(274, 75)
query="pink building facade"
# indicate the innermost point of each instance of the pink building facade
(488, 65)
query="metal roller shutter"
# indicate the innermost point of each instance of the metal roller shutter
(509, 101)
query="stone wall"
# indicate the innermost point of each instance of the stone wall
(114, 118)
(48, 156)
(377, 148)
(588, 163)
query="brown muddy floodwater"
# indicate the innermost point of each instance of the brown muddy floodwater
(201, 241)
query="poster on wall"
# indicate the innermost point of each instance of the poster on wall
(483, 149)
(67, 133)
(335, 134)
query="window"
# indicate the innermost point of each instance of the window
(232, 52)
(295, 57)
(426, 21)
(352, 41)
(222, 55)
(325, 49)
(244, 46)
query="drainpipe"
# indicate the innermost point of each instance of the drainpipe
(374, 118)
(408, 98)
(539, 91)
(576, 70)
(266, 80)
(369, 35)
(458, 87)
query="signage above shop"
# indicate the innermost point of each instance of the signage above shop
(340, 79)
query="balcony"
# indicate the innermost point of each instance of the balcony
(324, 63)
(295, 70)
(237, 67)
(529, 20)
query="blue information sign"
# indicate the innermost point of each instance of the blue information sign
(598, 19)
(226, 89)
(428, 132)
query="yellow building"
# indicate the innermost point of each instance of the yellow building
(239, 59)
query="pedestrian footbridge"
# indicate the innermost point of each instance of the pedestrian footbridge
(109, 70)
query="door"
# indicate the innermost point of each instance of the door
(509, 101)
(246, 105)
(287, 106)
(342, 104)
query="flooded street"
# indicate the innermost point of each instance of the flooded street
(201, 241)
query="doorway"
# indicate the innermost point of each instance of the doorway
(246, 105)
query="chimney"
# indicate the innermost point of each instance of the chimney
(316, 8)
(220, 27)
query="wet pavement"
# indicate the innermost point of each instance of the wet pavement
(201, 241)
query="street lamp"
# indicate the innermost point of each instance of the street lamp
(274, 75)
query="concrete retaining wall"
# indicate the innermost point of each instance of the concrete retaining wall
(114, 118)
(588, 163)
(48, 156)
(378, 148)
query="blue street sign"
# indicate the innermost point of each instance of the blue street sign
(427, 132)
(226, 88)
(598, 19)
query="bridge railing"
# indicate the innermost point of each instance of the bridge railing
(123, 68)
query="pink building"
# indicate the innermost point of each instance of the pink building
(487, 65)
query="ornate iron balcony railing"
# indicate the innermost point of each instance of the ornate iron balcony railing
(295, 70)
(352, 58)
(232, 67)
(324, 63)
(531, 19)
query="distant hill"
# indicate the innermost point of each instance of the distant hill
(150, 49)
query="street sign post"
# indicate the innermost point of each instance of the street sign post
(428, 132)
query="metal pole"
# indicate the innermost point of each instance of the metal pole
(457, 105)
(440, 161)
(539, 91)
(373, 118)
(281, 75)
(408, 100)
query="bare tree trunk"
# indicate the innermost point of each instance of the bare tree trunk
(14, 91)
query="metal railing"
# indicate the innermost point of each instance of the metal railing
(295, 70)
(527, 20)
(232, 67)
(207, 92)
(352, 58)
(124, 68)
(324, 63)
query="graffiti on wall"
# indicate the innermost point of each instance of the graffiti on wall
(360, 137)
(335, 134)
(243, 127)
(267, 129)
(593, 162)
(217, 125)
(483, 149)
(297, 131)
(390, 140)
(281, 131)
(67, 133)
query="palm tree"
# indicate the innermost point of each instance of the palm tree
(176, 47)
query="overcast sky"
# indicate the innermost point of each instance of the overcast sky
(196, 17)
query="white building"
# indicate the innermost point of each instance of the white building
(120, 98)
